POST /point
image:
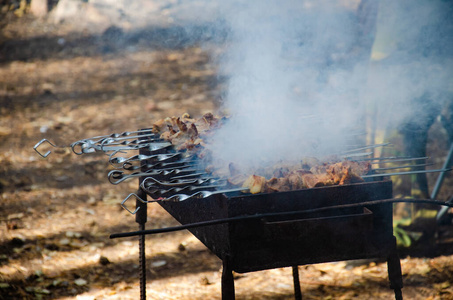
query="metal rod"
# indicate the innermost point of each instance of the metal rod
(296, 281)
(404, 167)
(228, 292)
(394, 271)
(178, 182)
(117, 135)
(367, 147)
(48, 152)
(161, 165)
(389, 158)
(405, 173)
(136, 143)
(378, 160)
(141, 217)
(440, 180)
(117, 176)
(443, 210)
(96, 143)
(353, 155)
(289, 213)
(142, 263)
(109, 140)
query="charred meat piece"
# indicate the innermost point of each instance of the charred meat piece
(324, 175)
(189, 134)
(346, 172)
(296, 181)
(276, 185)
(186, 133)
(319, 169)
(181, 125)
(311, 181)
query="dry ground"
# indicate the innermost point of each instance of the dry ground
(56, 214)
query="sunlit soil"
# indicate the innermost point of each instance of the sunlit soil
(56, 214)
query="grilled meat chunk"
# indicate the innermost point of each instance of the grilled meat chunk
(186, 133)
(345, 172)
(255, 184)
(189, 134)
(276, 185)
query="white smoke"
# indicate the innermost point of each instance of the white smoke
(300, 84)
(413, 61)
(286, 96)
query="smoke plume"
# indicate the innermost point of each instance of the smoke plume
(301, 80)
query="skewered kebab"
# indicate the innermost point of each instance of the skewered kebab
(324, 175)
(180, 142)
(186, 133)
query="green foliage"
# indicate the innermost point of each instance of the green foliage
(407, 230)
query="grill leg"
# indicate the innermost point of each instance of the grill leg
(140, 218)
(142, 262)
(297, 291)
(395, 274)
(227, 281)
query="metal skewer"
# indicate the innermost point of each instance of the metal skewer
(48, 152)
(201, 194)
(177, 182)
(367, 147)
(448, 162)
(117, 176)
(403, 167)
(118, 135)
(96, 143)
(186, 162)
(161, 193)
(356, 155)
(116, 161)
(377, 160)
(177, 197)
(405, 173)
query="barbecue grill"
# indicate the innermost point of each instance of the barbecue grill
(253, 232)
(275, 240)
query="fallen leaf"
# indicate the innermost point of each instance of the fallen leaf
(158, 263)
(5, 131)
(42, 291)
(15, 216)
(445, 285)
(80, 282)
(64, 241)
